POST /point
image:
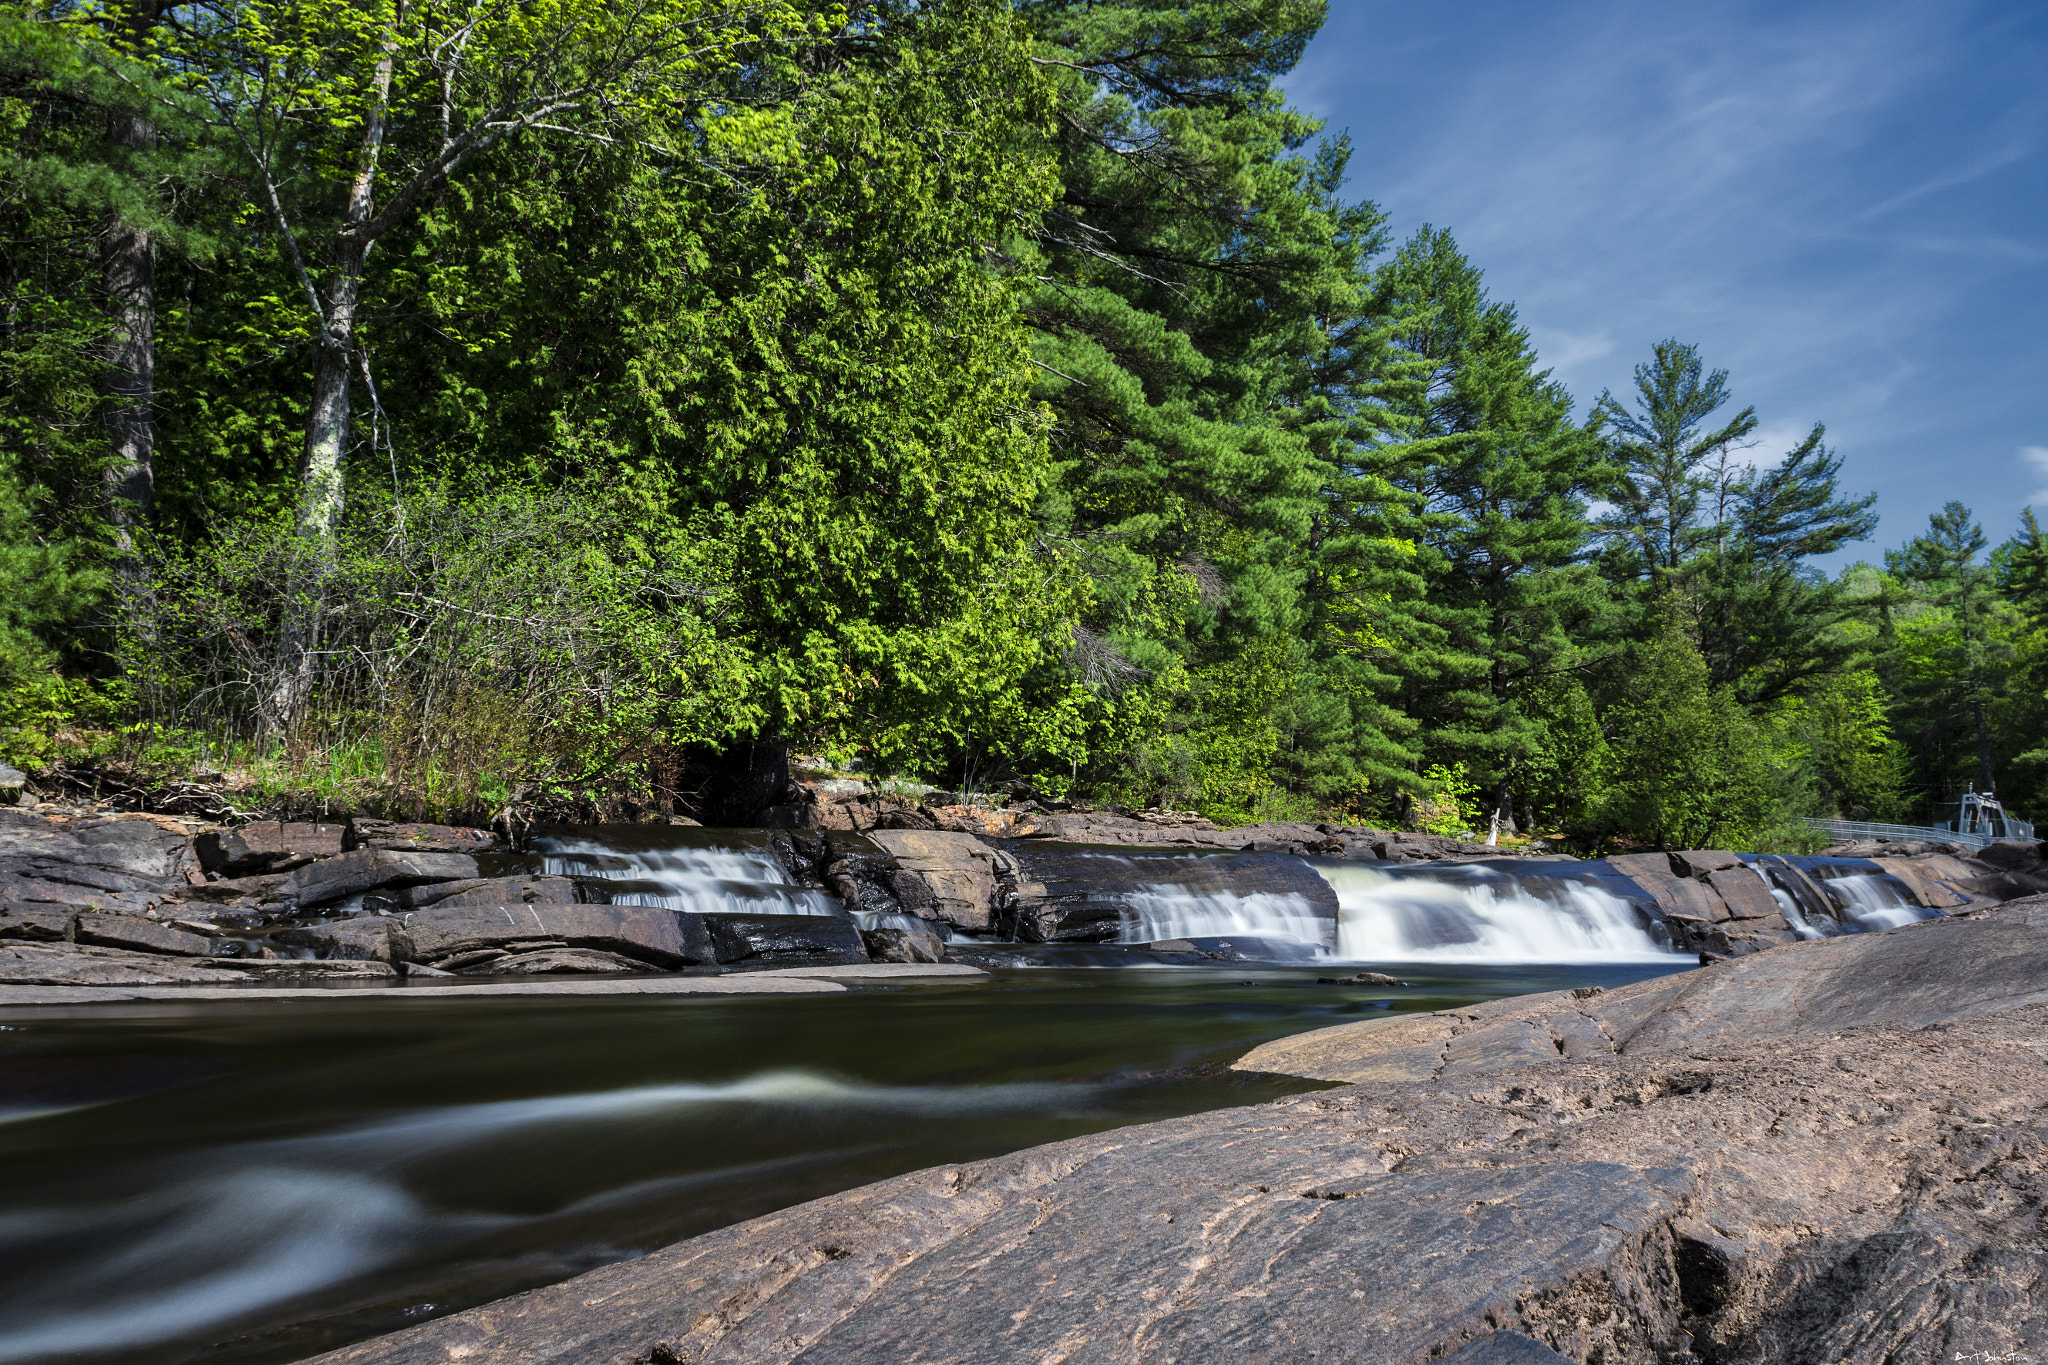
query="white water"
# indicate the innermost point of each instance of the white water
(1167, 912)
(274, 1221)
(1872, 902)
(1483, 917)
(708, 881)
(1788, 906)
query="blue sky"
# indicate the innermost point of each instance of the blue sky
(1845, 205)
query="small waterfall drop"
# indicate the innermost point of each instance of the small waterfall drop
(1872, 902)
(1158, 912)
(1788, 905)
(708, 881)
(1469, 913)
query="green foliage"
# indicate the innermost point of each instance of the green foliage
(1691, 769)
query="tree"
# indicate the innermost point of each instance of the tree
(1954, 642)
(1671, 463)
(1690, 768)
(1501, 472)
(349, 114)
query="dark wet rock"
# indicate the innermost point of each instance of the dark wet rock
(477, 891)
(266, 847)
(907, 939)
(255, 890)
(1074, 893)
(400, 837)
(659, 937)
(1362, 979)
(140, 935)
(553, 961)
(373, 869)
(1245, 948)
(942, 875)
(367, 938)
(755, 941)
(2013, 855)
(84, 964)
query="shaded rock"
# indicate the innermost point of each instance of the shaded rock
(140, 935)
(369, 869)
(1504, 1348)
(266, 847)
(660, 937)
(942, 875)
(37, 921)
(477, 891)
(1362, 979)
(400, 837)
(2012, 855)
(1744, 893)
(289, 969)
(785, 940)
(550, 961)
(367, 938)
(81, 964)
(911, 940)
(242, 890)
(1702, 863)
(1923, 881)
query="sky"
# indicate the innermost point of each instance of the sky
(1844, 205)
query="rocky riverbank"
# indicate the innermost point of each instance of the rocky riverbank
(1835, 1151)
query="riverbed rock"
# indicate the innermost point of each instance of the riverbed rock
(266, 847)
(1924, 881)
(85, 964)
(476, 891)
(242, 891)
(746, 942)
(942, 875)
(558, 961)
(374, 869)
(1743, 892)
(366, 938)
(38, 921)
(651, 934)
(402, 837)
(1830, 1153)
(909, 940)
(140, 935)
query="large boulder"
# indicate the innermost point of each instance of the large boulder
(660, 937)
(371, 869)
(942, 875)
(365, 938)
(905, 938)
(477, 891)
(267, 847)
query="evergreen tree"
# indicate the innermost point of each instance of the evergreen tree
(1955, 649)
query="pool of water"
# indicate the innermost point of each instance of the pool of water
(258, 1183)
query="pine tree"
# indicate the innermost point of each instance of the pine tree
(1956, 648)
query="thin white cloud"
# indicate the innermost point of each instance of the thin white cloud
(2036, 459)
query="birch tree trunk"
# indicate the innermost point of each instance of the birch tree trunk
(128, 269)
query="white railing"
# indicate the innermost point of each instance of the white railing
(1846, 831)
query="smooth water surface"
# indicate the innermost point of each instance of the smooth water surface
(257, 1183)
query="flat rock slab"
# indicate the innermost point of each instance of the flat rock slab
(876, 971)
(754, 983)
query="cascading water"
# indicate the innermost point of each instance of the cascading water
(1159, 912)
(1472, 913)
(1872, 901)
(1788, 905)
(709, 881)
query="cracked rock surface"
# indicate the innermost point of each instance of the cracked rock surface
(1829, 1153)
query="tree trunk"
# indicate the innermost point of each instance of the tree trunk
(128, 267)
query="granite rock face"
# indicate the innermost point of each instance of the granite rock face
(1836, 1152)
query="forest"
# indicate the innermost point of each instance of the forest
(450, 405)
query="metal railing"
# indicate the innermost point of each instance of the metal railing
(1846, 831)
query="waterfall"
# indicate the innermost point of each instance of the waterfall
(1157, 912)
(1469, 913)
(1872, 902)
(709, 881)
(1788, 905)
